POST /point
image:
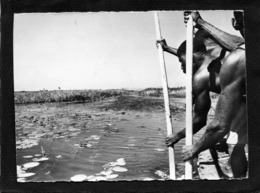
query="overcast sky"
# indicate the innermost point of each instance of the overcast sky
(101, 50)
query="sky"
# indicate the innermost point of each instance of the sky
(99, 50)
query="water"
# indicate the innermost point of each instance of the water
(81, 139)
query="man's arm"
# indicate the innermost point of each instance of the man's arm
(226, 40)
(215, 131)
(228, 105)
(201, 108)
(167, 48)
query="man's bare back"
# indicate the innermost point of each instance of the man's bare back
(219, 72)
(230, 114)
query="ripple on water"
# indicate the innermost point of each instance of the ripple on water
(136, 145)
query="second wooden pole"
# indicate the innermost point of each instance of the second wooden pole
(189, 64)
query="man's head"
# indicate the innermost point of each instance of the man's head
(199, 49)
(238, 21)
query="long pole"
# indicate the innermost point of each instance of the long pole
(189, 64)
(166, 96)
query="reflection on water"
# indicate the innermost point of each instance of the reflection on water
(78, 142)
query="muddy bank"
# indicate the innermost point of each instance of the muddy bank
(137, 103)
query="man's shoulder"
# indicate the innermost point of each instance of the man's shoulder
(234, 62)
(201, 81)
(234, 56)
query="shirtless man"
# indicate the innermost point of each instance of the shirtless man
(217, 72)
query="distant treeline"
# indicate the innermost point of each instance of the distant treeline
(45, 96)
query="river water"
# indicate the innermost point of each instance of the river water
(56, 142)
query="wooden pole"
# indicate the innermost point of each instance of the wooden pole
(189, 64)
(166, 97)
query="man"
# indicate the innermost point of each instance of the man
(217, 72)
(230, 114)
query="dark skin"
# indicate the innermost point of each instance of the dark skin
(230, 114)
(230, 88)
(202, 86)
(203, 82)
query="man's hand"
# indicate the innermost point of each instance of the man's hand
(162, 42)
(188, 153)
(194, 14)
(171, 140)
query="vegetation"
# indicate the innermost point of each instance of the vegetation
(158, 92)
(43, 96)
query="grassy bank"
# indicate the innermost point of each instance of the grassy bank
(43, 96)
(178, 92)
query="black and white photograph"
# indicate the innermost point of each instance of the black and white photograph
(123, 96)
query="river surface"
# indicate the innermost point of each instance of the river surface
(76, 142)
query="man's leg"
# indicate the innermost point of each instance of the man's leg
(238, 160)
